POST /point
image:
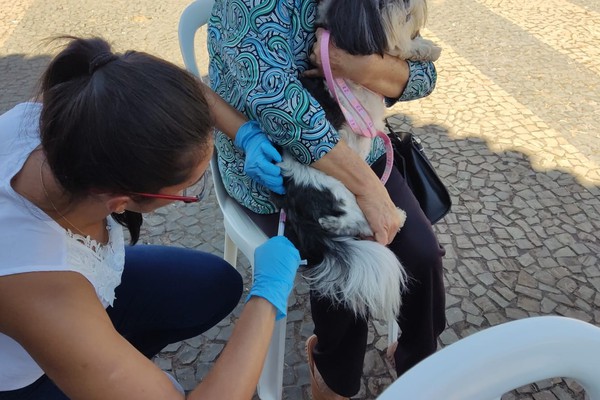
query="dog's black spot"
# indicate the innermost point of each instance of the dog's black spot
(356, 26)
(304, 206)
(316, 87)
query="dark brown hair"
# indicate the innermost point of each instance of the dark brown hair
(120, 123)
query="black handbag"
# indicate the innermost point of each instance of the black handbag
(413, 164)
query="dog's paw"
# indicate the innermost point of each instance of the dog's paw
(424, 50)
(402, 215)
(436, 51)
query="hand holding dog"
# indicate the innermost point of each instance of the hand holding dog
(386, 75)
(343, 65)
(260, 156)
(380, 212)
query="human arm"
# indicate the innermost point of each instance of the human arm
(265, 85)
(57, 318)
(261, 155)
(373, 199)
(378, 74)
(390, 76)
(236, 372)
(226, 118)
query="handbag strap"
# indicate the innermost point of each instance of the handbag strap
(358, 118)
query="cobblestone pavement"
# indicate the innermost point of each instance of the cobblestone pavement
(511, 128)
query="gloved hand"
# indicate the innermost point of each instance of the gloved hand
(275, 265)
(260, 156)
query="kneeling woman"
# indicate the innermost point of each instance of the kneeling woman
(81, 314)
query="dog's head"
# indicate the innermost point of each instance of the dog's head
(363, 27)
(403, 21)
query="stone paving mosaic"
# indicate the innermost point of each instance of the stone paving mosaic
(511, 128)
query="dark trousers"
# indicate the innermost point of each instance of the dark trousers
(166, 295)
(342, 338)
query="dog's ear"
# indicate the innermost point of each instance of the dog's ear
(356, 26)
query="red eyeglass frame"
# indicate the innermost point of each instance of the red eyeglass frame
(185, 199)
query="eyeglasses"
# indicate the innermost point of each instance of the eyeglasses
(192, 194)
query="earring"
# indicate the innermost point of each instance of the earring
(120, 212)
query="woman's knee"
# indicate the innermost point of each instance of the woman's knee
(200, 279)
(225, 281)
(231, 280)
(422, 259)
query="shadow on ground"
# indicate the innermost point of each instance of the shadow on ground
(519, 242)
(20, 74)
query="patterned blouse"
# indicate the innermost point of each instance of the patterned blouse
(257, 51)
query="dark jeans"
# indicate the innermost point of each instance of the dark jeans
(166, 295)
(340, 352)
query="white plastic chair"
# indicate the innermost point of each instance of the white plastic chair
(497, 360)
(240, 231)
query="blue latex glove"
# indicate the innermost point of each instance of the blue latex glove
(260, 156)
(275, 265)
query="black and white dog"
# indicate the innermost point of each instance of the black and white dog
(323, 218)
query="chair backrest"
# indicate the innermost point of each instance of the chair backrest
(499, 359)
(192, 18)
(238, 225)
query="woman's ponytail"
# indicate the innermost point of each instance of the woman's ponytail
(79, 59)
(120, 123)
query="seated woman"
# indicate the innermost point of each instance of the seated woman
(81, 314)
(257, 55)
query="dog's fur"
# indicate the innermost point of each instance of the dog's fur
(323, 218)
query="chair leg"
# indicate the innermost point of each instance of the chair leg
(270, 384)
(392, 331)
(231, 250)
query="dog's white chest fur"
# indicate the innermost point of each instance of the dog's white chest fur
(374, 106)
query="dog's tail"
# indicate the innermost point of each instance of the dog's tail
(361, 275)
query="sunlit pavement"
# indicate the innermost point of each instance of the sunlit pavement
(512, 128)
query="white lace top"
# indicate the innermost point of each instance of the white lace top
(102, 265)
(30, 241)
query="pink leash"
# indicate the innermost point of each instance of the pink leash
(368, 128)
(362, 124)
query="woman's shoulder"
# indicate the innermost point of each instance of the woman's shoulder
(19, 134)
(22, 113)
(27, 242)
(39, 245)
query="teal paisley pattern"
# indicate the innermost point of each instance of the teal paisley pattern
(257, 51)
